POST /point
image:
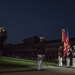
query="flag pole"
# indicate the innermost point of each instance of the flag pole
(67, 33)
(68, 38)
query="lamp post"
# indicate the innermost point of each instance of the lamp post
(3, 37)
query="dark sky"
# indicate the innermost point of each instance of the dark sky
(27, 18)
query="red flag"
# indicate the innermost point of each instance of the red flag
(66, 43)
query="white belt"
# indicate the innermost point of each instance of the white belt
(39, 55)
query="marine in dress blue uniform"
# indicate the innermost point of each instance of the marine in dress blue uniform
(73, 60)
(40, 52)
(68, 57)
(60, 56)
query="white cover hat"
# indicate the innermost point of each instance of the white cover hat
(41, 38)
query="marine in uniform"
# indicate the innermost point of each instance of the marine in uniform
(73, 59)
(40, 52)
(68, 57)
(60, 56)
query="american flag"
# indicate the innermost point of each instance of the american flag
(65, 40)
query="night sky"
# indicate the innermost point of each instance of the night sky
(27, 18)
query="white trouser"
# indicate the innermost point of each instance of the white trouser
(60, 61)
(40, 59)
(68, 62)
(73, 62)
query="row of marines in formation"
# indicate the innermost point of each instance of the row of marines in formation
(70, 57)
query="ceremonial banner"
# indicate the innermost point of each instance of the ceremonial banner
(65, 40)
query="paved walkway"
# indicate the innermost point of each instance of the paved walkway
(61, 69)
(47, 70)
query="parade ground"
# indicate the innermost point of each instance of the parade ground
(14, 66)
(46, 70)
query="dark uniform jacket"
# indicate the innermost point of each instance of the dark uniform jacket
(60, 54)
(41, 48)
(68, 54)
(74, 54)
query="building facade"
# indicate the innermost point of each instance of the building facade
(27, 49)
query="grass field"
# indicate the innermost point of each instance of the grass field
(8, 61)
